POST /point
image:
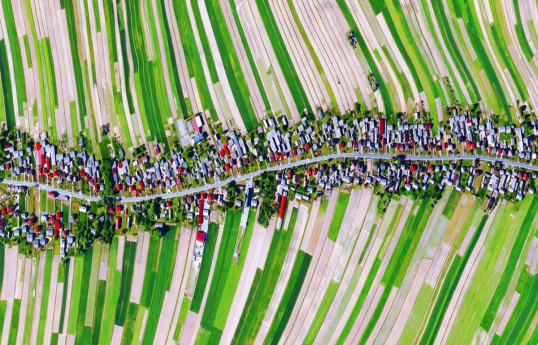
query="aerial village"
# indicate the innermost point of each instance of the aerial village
(156, 188)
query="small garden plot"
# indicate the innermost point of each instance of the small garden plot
(261, 294)
(293, 288)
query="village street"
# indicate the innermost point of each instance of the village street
(289, 165)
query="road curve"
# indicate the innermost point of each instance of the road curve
(318, 159)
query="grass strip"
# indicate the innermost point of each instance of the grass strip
(289, 298)
(338, 216)
(126, 281)
(45, 298)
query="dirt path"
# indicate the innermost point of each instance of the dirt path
(255, 254)
(179, 281)
(141, 258)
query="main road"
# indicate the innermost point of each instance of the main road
(318, 159)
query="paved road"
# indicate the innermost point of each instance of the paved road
(62, 192)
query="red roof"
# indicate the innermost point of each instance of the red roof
(117, 222)
(413, 168)
(381, 127)
(9, 209)
(141, 185)
(4, 212)
(38, 146)
(36, 229)
(118, 208)
(8, 166)
(57, 226)
(30, 221)
(282, 207)
(58, 215)
(200, 236)
(51, 194)
(200, 211)
(307, 146)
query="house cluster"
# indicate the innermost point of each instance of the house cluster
(394, 177)
(38, 232)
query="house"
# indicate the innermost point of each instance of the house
(200, 237)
